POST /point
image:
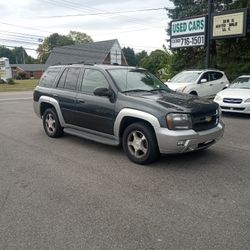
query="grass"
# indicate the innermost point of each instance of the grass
(20, 85)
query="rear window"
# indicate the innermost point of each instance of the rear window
(48, 77)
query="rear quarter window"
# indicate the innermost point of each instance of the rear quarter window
(48, 78)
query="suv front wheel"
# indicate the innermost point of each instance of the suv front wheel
(140, 144)
(51, 123)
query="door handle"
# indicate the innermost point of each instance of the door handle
(81, 100)
(55, 95)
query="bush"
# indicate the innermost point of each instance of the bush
(10, 81)
(2, 81)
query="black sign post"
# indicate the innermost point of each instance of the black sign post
(209, 14)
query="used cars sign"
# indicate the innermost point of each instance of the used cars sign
(188, 32)
(188, 27)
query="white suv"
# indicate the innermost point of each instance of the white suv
(205, 83)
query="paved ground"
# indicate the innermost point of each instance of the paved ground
(70, 193)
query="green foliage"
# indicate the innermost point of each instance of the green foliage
(129, 55)
(16, 55)
(157, 63)
(230, 55)
(79, 37)
(139, 56)
(57, 40)
(10, 81)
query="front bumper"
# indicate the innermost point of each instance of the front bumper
(172, 142)
(243, 108)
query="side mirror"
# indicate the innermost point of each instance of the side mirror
(203, 80)
(102, 92)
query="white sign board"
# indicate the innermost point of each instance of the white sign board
(229, 25)
(187, 41)
(188, 26)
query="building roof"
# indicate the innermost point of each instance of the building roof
(29, 67)
(95, 52)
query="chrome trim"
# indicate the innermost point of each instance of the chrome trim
(55, 103)
(127, 112)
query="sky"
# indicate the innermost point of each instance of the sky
(26, 22)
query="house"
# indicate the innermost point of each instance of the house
(26, 71)
(103, 52)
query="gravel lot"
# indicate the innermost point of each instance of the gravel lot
(70, 193)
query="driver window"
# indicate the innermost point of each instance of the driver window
(93, 79)
(205, 76)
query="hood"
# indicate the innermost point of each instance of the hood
(235, 93)
(174, 102)
(177, 85)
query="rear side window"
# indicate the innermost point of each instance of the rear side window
(48, 77)
(72, 78)
(62, 79)
(215, 76)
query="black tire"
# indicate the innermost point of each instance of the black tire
(51, 124)
(140, 144)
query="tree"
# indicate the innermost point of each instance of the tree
(16, 55)
(5, 52)
(129, 55)
(54, 40)
(156, 62)
(79, 37)
(139, 56)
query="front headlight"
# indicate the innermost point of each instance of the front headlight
(217, 98)
(247, 100)
(179, 121)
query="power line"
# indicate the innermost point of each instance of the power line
(73, 6)
(95, 14)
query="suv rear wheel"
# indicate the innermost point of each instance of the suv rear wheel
(51, 123)
(139, 143)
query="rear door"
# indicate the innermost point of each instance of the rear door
(65, 93)
(94, 112)
(217, 80)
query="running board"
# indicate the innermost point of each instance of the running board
(93, 137)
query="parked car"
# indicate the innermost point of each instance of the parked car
(204, 83)
(118, 105)
(236, 98)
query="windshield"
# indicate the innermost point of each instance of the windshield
(241, 83)
(186, 76)
(129, 80)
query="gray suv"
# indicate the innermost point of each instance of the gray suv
(125, 106)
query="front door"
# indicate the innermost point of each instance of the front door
(94, 112)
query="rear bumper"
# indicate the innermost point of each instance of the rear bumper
(172, 142)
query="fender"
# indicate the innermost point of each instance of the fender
(55, 104)
(128, 112)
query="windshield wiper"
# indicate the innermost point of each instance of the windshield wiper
(159, 89)
(135, 90)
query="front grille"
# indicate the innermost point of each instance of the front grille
(232, 100)
(232, 108)
(204, 121)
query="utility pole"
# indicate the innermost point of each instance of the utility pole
(23, 57)
(209, 14)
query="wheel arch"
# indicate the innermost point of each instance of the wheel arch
(128, 116)
(48, 102)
